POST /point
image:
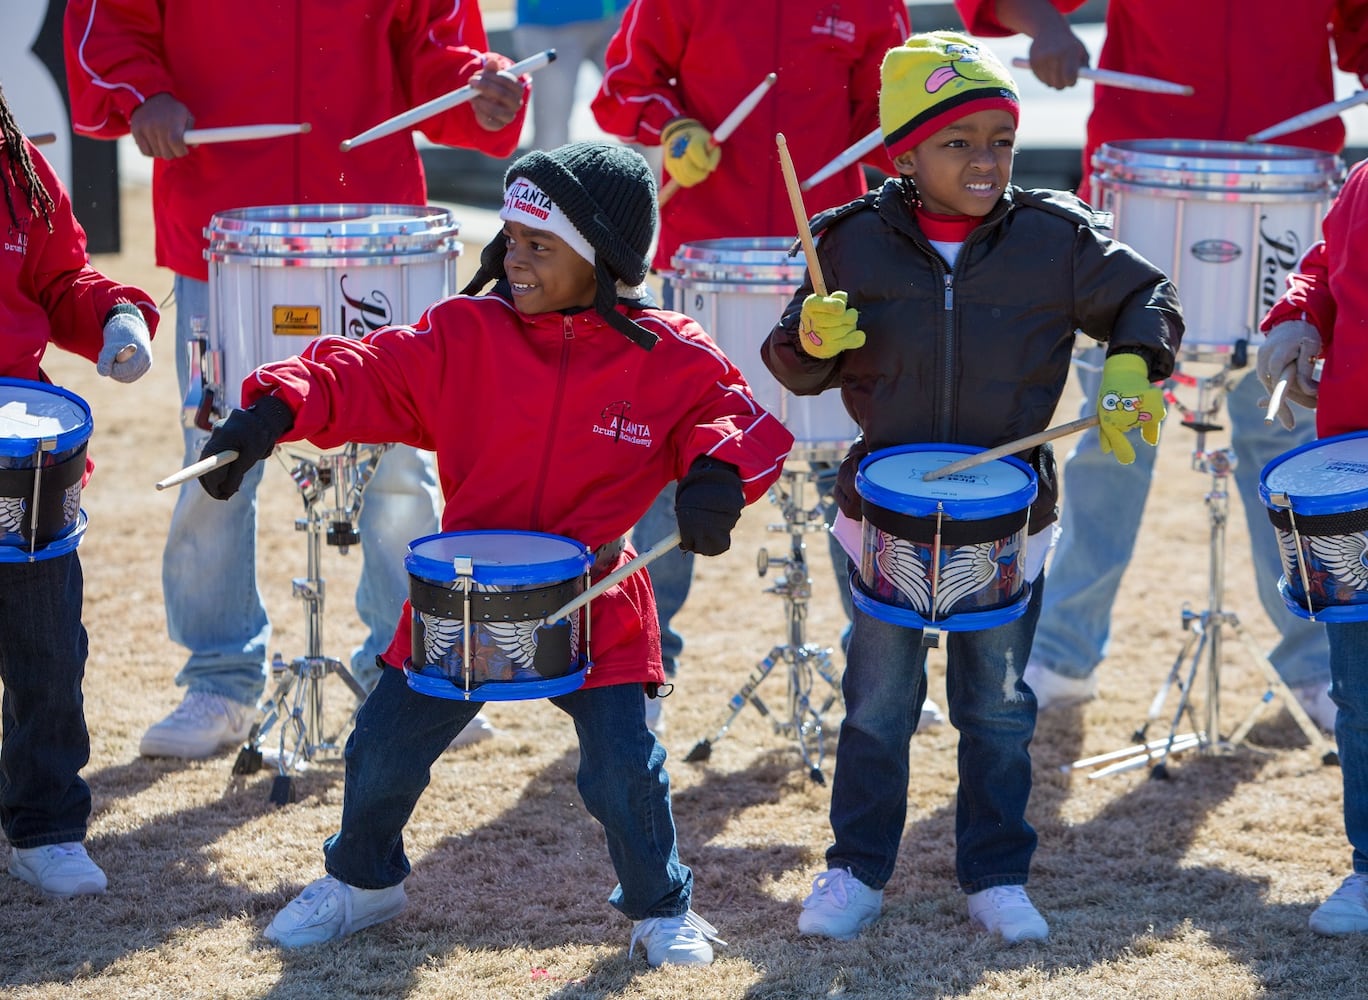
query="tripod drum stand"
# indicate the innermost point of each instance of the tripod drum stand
(806, 662)
(331, 484)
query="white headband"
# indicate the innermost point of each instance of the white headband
(526, 203)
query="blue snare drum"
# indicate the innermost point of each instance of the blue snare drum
(946, 554)
(1317, 499)
(504, 583)
(43, 436)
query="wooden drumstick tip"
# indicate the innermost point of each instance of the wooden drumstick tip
(305, 128)
(125, 352)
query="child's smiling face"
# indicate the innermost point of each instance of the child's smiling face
(544, 273)
(964, 168)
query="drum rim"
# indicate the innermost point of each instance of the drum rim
(65, 440)
(919, 506)
(439, 572)
(1319, 503)
(60, 546)
(961, 621)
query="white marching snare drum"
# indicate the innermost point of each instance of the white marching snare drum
(737, 289)
(1226, 221)
(282, 275)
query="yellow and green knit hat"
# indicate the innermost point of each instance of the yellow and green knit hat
(936, 78)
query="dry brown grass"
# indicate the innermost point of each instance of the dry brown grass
(1199, 886)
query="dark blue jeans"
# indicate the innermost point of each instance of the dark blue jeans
(994, 711)
(1349, 691)
(622, 780)
(43, 799)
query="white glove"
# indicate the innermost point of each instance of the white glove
(122, 330)
(1297, 343)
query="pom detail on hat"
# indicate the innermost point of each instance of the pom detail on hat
(936, 78)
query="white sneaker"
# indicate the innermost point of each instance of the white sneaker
(328, 909)
(1346, 911)
(1054, 690)
(681, 940)
(477, 730)
(1315, 698)
(655, 714)
(931, 715)
(839, 906)
(1007, 910)
(62, 870)
(201, 725)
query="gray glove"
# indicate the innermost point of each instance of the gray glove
(1297, 343)
(124, 327)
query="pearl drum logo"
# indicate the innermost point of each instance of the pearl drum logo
(363, 314)
(1278, 256)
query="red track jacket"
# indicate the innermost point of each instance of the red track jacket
(341, 66)
(1253, 63)
(553, 423)
(701, 58)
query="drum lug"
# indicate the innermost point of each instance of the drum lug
(931, 637)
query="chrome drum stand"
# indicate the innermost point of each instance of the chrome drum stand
(806, 662)
(331, 484)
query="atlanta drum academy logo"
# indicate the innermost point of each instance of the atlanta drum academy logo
(16, 240)
(614, 422)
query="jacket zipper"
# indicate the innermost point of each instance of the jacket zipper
(562, 377)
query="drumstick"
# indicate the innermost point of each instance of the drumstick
(198, 469)
(43, 138)
(657, 550)
(1276, 396)
(852, 154)
(1312, 117)
(1012, 447)
(1126, 81)
(447, 101)
(125, 352)
(729, 125)
(242, 133)
(800, 216)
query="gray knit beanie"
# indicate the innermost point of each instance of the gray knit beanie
(608, 192)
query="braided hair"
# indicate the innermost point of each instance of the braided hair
(22, 177)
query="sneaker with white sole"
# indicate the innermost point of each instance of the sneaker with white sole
(1008, 911)
(1315, 698)
(1346, 911)
(839, 906)
(1054, 690)
(931, 715)
(328, 909)
(202, 725)
(682, 940)
(477, 730)
(61, 870)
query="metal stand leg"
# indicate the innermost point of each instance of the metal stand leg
(806, 662)
(295, 707)
(1206, 633)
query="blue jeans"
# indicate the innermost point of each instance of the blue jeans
(1349, 692)
(994, 711)
(209, 583)
(43, 799)
(1100, 518)
(622, 781)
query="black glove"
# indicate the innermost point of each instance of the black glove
(252, 433)
(708, 502)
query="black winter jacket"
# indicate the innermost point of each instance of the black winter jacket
(979, 355)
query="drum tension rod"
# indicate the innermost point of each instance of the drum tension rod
(464, 568)
(931, 633)
(1283, 500)
(44, 445)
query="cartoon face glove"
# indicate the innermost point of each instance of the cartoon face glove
(1126, 400)
(827, 326)
(689, 153)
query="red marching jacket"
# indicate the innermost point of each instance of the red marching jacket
(553, 423)
(342, 67)
(701, 58)
(1270, 61)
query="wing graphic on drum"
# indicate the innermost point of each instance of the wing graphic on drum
(968, 570)
(11, 515)
(439, 636)
(1343, 556)
(516, 640)
(900, 564)
(1291, 556)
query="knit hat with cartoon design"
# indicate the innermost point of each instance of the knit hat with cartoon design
(936, 78)
(601, 199)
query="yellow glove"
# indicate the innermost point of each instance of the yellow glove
(827, 326)
(1126, 400)
(690, 155)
